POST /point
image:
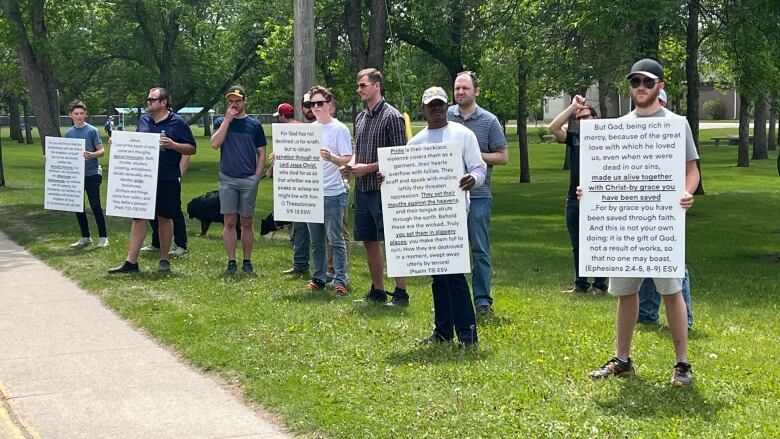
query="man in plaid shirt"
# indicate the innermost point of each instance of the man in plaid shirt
(379, 125)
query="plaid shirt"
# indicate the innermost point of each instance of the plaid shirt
(383, 126)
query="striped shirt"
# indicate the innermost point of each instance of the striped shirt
(490, 136)
(378, 128)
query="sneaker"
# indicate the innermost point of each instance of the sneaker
(231, 267)
(126, 267)
(574, 289)
(164, 266)
(102, 242)
(682, 375)
(375, 296)
(340, 290)
(178, 251)
(434, 338)
(247, 268)
(484, 311)
(81, 243)
(295, 270)
(315, 285)
(400, 298)
(149, 248)
(597, 290)
(614, 367)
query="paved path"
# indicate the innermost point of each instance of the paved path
(70, 368)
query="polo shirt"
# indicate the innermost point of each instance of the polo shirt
(176, 129)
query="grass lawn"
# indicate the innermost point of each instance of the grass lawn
(334, 368)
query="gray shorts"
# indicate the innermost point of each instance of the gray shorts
(238, 195)
(625, 286)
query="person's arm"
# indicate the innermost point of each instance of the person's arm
(691, 183)
(260, 160)
(500, 157)
(218, 138)
(556, 126)
(475, 166)
(184, 164)
(497, 154)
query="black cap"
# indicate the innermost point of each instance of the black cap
(648, 67)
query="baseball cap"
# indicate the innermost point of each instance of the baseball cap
(306, 97)
(434, 93)
(648, 67)
(285, 110)
(662, 96)
(236, 91)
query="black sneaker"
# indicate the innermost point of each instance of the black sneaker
(375, 296)
(231, 268)
(247, 268)
(400, 298)
(164, 266)
(126, 267)
(484, 311)
(434, 338)
(614, 367)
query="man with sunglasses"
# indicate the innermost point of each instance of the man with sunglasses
(177, 141)
(571, 137)
(492, 144)
(379, 125)
(647, 81)
(241, 142)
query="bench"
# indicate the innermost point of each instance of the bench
(732, 140)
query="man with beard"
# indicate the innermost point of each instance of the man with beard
(492, 145)
(647, 80)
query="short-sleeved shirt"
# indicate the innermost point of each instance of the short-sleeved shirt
(238, 153)
(690, 144)
(490, 136)
(337, 140)
(176, 129)
(573, 142)
(92, 139)
(457, 133)
(376, 128)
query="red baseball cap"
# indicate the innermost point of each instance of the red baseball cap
(285, 110)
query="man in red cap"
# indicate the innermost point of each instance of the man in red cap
(286, 113)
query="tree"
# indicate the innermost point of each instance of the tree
(371, 54)
(759, 127)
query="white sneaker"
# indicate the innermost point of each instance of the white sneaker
(102, 242)
(150, 248)
(81, 243)
(178, 251)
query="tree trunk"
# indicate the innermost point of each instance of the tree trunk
(376, 35)
(771, 142)
(649, 40)
(743, 154)
(603, 109)
(36, 67)
(692, 77)
(522, 121)
(353, 24)
(14, 119)
(759, 127)
(304, 50)
(206, 125)
(2, 173)
(28, 128)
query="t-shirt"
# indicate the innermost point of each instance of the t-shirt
(92, 139)
(456, 133)
(490, 136)
(238, 153)
(690, 145)
(337, 140)
(176, 129)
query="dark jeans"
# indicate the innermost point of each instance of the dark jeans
(452, 307)
(573, 224)
(650, 300)
(179, 231)
(92, 187)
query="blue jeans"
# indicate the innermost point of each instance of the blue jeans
(300, 233)
(573, 224)
(650, 300)
(320, 234)
(479, 240)
(452, 307)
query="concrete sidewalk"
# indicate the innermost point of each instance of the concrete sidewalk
(70, 368)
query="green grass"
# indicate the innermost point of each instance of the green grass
(335, 368)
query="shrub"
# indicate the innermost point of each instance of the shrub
(716, 109)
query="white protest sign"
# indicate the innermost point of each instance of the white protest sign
(632, 172)
(298, 179)
(64, 185)
(424, 210)
(132, 176)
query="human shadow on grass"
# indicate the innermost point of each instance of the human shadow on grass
(449, 352)
(302, 294)
(377, 310)
(494, 321)
(664, 332)
(148, 274)
(641, 397)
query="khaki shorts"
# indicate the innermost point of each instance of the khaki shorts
(625, 286)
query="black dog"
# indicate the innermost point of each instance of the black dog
(268, 224)
(205, 208)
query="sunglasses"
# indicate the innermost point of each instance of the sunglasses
(648, 82)
(314, 104)
(365, 84)
(152, 99)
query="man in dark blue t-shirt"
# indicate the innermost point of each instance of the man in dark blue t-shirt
(176, 139)
(241, 141)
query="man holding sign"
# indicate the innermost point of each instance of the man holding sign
(451, 296)
(176, 139)
(647, 80)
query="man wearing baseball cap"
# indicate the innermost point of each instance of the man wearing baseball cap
(452, 303)
(647, 80)
(241, 141)
(286, 113)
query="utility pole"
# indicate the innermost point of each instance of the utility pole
(304, 51)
